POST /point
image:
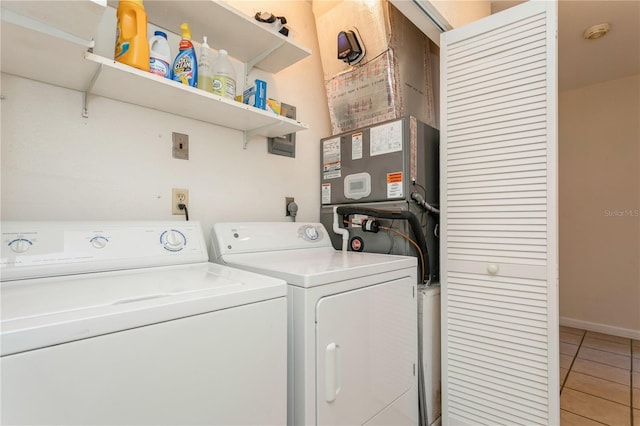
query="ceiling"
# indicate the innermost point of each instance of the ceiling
(583, 62)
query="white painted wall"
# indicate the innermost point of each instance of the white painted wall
(117, 164)
(599, 157)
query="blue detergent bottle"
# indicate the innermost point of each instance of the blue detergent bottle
(185, 65)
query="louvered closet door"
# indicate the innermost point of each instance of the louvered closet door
(499, 219)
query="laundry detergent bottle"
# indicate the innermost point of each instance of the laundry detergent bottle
(185, 65)
(132, 46)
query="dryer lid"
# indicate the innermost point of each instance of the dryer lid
(319, 266)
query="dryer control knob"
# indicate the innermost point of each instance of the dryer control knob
(99, 242)
(20, 245)
(173, 240)
(311, 233)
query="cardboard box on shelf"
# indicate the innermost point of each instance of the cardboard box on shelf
(256, 95)
(274, 106)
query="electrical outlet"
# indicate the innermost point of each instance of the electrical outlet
(180, 146)
(179, 196)
(287, 201)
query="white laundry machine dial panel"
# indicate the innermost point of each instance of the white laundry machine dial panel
(366, 354)
(42, 249)
(258, 237)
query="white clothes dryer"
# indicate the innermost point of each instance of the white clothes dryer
(352, 322)
(128, 323)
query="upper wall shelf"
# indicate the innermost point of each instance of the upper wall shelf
(48, 41)
(242, 36)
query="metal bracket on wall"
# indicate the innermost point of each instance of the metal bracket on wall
(248, 134)
(248, 66)
(85, 94)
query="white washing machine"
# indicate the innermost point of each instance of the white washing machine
(352, 322)
(128, 323)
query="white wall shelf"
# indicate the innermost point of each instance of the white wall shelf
(44, 41)
(124, 83)
(48, 41)
(246, 39)
(62, 15)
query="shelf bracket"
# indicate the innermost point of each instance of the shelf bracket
(85, 94)
(248, 134)
(248, 66)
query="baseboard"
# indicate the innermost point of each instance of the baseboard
(600, 328)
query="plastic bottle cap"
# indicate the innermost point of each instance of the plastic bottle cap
(186, 31)
(161, 34)
(138, 2)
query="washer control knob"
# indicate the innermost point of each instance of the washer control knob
(173, 240)
(20, 245)
(99, 242)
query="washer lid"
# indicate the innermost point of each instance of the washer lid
(48, 311)
(319, 266)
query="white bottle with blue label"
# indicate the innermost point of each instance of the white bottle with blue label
(160, 55)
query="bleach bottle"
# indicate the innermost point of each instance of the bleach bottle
(132, 47)
(185, 66)
(160, 59)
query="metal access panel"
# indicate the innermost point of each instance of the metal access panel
(380, 163)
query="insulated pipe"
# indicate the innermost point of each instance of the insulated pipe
(422, 203)
(340, 231)
(414, 223)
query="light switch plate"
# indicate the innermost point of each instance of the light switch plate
(180, 143)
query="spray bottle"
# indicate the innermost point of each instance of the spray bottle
(185, 65)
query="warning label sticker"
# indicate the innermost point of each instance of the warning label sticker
(326, 193)
(356, 146)
(394, 185)
(331, 159)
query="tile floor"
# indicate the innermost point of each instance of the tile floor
(599, 379)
